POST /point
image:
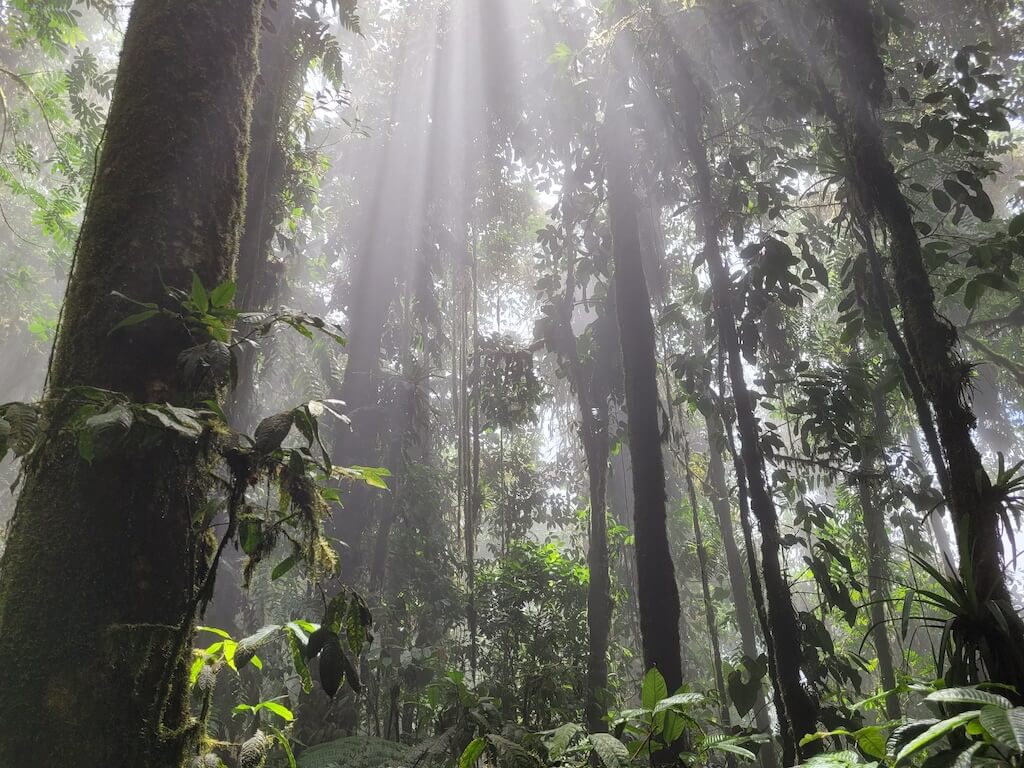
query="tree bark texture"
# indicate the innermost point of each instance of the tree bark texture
(99, 578)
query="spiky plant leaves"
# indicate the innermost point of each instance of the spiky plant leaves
(272, 431)
(362, 751)
(332, 665)
(24, 427)
(207, 678)
(253, 753)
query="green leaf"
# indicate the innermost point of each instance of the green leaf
(278, 709)
(199, 296)
(138, 317)
(215, 631)
(871, 741)
(223, 294)
(680, 700)
(654, 689)
(908, 604)
(733, 749)
(612, 752)
(936, 732)
(969, 695)
(284, 566)
(974, 291)
(1016, 226)
(250, 534)
(1005, 725)
(301, 668)
(558, 740)
(472, 752)
(373, 476)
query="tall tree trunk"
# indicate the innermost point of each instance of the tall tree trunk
(590, 380)
(658, 595)
(740, 587)
(260, 279)
(878, 557)
(931, 341)
(789, 751)
(99, 578)
(801, 708)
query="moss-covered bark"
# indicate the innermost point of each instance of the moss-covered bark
(99, 575)
(932, 344)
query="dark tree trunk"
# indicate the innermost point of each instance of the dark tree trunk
(789, 751)
(100, 573)
(740, 587)
(658, 595)
(784, 625)
(931, 342)
(261, 278)
(590, 380)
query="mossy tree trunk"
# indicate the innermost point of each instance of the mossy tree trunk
(932, 343)
(657, 593)
(878, 547)
(98, 581)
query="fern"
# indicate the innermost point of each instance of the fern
(354, 752)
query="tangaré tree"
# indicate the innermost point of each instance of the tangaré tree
(103, 565)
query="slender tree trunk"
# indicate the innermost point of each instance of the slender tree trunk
(877, 541)
(740, 587)
(784, 625)
(100, 575)
(789, 741)
(709, 606)
(261, 279)
(932, 343)
(658, 595)
(591, 384)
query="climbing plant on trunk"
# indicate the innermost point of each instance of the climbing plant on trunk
(102, 565)
(975, 503)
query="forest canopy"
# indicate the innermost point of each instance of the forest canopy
(511, 383)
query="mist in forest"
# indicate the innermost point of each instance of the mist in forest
(507, 383)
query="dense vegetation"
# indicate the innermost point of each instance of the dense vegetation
(512, 383)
